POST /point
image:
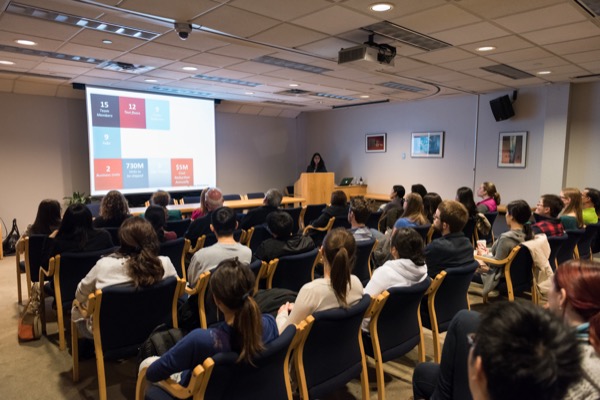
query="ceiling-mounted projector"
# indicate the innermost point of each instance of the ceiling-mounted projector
(370, 52)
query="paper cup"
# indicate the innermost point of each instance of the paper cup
(482, 247)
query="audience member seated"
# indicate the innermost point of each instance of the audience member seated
(453, 249)
(464, 195)
(258, 216)
(284, 242)
(113, 210)
(157, 217)
(396, 198)
(223, 224)
(418, 188)
(163, 199)
(244, 330)
(47, 219)
(414, 213)
(316, 164)
(518, 213)
(337, 209)
(406, 269)
(76, 234)
(575, 297)
(520, 351)
(591, 204)
(548, 207)
(201, 211)
(571, 216)
(491, 198)
(338, 288)
(201, 226)
(358, 215)
(137, 261)
(431, 201)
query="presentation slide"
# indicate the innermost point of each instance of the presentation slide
(142, 142)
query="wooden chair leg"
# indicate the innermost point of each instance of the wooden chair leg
(19, 291)
(101, 375)
(75, 351)
(62, 343)
(437, 349)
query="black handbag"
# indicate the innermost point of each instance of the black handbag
(9, 243)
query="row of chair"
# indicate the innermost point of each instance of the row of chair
(328, 348)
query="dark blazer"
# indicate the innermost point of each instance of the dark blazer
(321, 168)
(328, 212)
(97, 239)
(257, 216)
(199, 227)
(450, 251)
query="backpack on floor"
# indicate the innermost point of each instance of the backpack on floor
(30, 324)
(9, 244)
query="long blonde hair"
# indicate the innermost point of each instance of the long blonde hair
(414, 209)
(574, 206)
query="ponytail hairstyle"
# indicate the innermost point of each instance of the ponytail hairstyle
(521, 212)
(490, 189)
(581, 281)
(140, 243)
(339, 250)
(232, 284)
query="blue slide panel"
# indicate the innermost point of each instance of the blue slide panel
(158, 115)
(135, 173)
(107, 142)
(159, 171)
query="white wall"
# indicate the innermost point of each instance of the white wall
(44, 153)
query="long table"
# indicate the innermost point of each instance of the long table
(236, 204)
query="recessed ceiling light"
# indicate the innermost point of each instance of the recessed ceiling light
(294, 85)
(486, 48)
(26, 42)
(4, 62)
(249, 93)
(381, 7)
(189, 68)
(364, 96)
(151, 80)
(544, 72)
(106, 41)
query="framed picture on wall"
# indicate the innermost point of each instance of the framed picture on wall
(427, 144)
(375, 143)
(512, 149)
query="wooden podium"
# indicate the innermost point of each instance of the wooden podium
(315, 187)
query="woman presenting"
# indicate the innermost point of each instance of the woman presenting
(316, 164)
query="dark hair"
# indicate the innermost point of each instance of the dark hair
(418, 188)
(223, 221)
(413, 209)
(581, 281)
(47, 218)
(409, 244)
(526, 352)
(280, 224)
(338, 198)
(140, 243)
(554, 203)
(273, 197)
(431, 201)
(157, 217)
(232, 284)
(454, 214)
(76, 224)
(490, 189)
(464, 195)
(321, 163)
(594, 196)
(521, 212)
(160, 198)
(339, 248)
(114, 206)
(360, 208)
(400, 191)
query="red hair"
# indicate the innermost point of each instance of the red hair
(581, 281)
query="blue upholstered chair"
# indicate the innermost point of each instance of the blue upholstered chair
(123, 318)
(295, 214)
(584, 245)
(567, 250)
(176, 250)
(310, 213)
(330, 351)
(180, 226)
(395, 327)
(292, 272)
(556, 242)
(446, 296)
(31, 247)
(362, 267)
(222, 378)
(255, 195)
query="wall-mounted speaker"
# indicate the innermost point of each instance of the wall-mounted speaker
(502, 108)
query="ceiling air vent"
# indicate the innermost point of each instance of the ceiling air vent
(592, 7)
(125, 67)
(404, 35)
(294, 92)
(508, 71)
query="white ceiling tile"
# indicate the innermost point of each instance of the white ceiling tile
(242, 52)
(289, 36)
(253, 67)
(328, 47)
(548, 17)
(335, 20)
(180, 10)
(235, 21)
(575, 46)
(564, 33)
(584, 57)
(166, 52)
(439, 56)
(211, 60)
(437, 19)
(88, 51)
(471, 33)
(283, 10)
(493, 8)
(519, 55)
